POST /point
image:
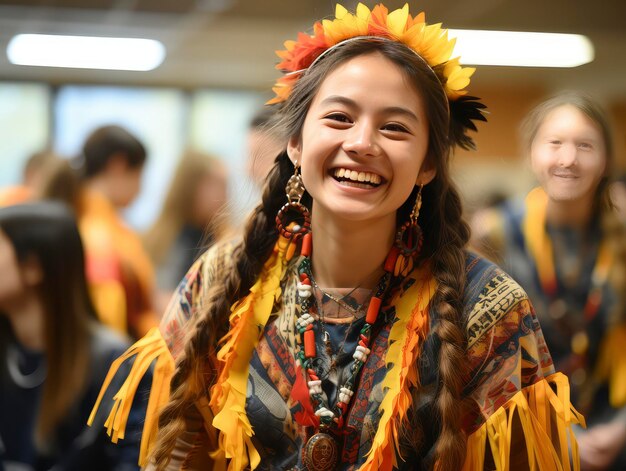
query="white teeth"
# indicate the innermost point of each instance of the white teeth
(357, 176)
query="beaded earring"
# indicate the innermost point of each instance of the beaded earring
(409, 240)
(294, 219)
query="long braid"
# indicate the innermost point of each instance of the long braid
(196, 369)
(448, 234)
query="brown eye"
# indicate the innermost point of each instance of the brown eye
(395, 127)
(340, 117)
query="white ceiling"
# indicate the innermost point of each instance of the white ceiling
(231, 43)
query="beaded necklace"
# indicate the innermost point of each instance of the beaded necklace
(321, 450)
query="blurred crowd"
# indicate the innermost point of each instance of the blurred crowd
(78, 285)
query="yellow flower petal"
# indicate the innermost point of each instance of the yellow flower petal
(396, 20)
(431, 42)
(340, 11)
(363, 13)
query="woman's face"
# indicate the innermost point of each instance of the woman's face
(11, 279)
(568, 155)
(364, 141)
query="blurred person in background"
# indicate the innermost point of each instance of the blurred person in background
(618, 196)
(263, 145)
(566, 246)
(104, 179)
(191, 220)
(32, 180)
(54, 354)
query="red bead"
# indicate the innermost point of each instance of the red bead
(390, 261)
(306, 245)
(309, 343)
(372, 310)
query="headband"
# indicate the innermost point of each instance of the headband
(429, 42)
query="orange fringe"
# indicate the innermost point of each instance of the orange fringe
(228, 395)
(405, 342)
(611, 366)
(545, 416)
(151, 347)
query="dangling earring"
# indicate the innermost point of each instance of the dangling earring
(294, 219)
(409, 240)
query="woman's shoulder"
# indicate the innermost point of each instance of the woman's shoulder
(216, 258)
(190, 294)
(501, 326)
(491, 295)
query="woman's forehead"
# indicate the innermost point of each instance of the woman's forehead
(369, 78)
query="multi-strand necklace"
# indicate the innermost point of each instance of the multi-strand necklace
(321, 451)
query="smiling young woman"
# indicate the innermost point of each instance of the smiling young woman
(349, 328)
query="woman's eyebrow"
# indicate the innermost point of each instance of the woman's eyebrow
(338, 99)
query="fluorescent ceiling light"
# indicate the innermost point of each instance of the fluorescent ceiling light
(521, 49)
(85, 52)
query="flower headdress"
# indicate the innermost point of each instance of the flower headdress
(429, 42)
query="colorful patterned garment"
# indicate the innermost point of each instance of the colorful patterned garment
(511, 372)
(583, 330)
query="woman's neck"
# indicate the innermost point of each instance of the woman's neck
(348, 254)
(575, 214)
(26, 316)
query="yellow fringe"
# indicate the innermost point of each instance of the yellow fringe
(151, 347)
(405, 341)
(545, 416)
(612, 365)
(228, 396)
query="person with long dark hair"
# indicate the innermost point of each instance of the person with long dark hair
(349, 328)
(192, 217)
(565, 244)
(54, 354)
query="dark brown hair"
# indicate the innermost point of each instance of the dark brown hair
(47, 231)
(107, 141)
(445, 236)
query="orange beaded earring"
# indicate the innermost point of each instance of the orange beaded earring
(409, 240)
(294, 219)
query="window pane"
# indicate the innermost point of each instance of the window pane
(24, 125)
(219, 125)
(156, 116)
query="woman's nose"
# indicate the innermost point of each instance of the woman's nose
(568, 155)
(362, 140)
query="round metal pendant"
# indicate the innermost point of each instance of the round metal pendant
(320, 453)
